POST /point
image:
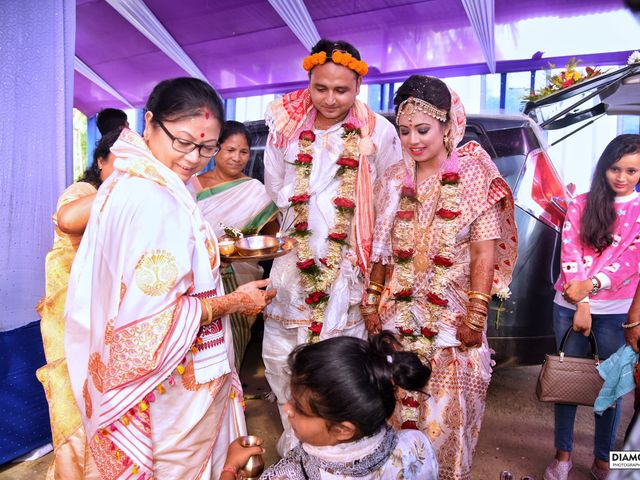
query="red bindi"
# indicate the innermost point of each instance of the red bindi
(202, 135)
(206, 115)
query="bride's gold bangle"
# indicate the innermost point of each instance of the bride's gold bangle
(376, 287)
(473, 326)
(478, 308)
(479, 296)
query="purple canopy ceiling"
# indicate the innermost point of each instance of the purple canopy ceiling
(244, 47)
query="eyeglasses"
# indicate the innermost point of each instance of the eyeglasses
(185, 146)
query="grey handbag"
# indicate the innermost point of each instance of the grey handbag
(570, 380)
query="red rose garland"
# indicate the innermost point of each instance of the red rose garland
(317, 278)
(419, 334)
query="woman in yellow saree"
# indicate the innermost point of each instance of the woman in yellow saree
(70, 461)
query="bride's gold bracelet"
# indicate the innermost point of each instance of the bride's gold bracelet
(376, 287)
(479, 296)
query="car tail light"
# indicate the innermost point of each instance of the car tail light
(540, 190)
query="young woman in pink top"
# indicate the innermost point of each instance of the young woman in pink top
(600, 260)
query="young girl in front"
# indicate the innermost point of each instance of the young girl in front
(599, 274)
(342, 393)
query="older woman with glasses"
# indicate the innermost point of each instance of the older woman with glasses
(147, 328)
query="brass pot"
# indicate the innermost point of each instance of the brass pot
(255, 466)
(257, 245)
(227, 246)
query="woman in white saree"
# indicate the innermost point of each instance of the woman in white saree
(230, 198)
(147, 328)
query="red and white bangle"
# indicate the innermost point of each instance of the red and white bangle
(230, 469)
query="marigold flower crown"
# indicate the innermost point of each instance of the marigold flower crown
(338, 57)
(413, 104)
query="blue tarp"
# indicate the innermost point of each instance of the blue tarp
(24, 414)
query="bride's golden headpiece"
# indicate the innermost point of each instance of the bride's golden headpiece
(414, 104)
(338, 57)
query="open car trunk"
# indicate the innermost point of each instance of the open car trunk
(611, 93)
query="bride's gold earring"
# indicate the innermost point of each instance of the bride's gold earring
(447, 143)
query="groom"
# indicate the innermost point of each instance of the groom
(325, 151)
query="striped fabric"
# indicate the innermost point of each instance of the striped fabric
(240, 324)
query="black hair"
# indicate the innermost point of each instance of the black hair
(349, 379)
(599, 214)
(231, 128)
(429, 89)
(103, 146)
(328, 46)
(110, 119)
(182, 97)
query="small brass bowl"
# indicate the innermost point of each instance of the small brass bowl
(258, 245)
(227, 247)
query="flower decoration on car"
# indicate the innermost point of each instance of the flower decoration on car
(565, 79)
(634, 58)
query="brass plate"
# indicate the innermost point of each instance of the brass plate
(286, 247)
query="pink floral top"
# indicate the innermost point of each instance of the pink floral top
(616, 267)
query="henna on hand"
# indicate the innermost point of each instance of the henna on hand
(224, 305)
(468, 338)
(248, 299)
(372, 323)
(249, 306)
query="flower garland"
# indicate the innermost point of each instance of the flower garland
(318, 277)
(418, 334)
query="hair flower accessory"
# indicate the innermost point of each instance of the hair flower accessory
(314, 60)
(339, 58)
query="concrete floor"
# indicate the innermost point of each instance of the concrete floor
(517, 433)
